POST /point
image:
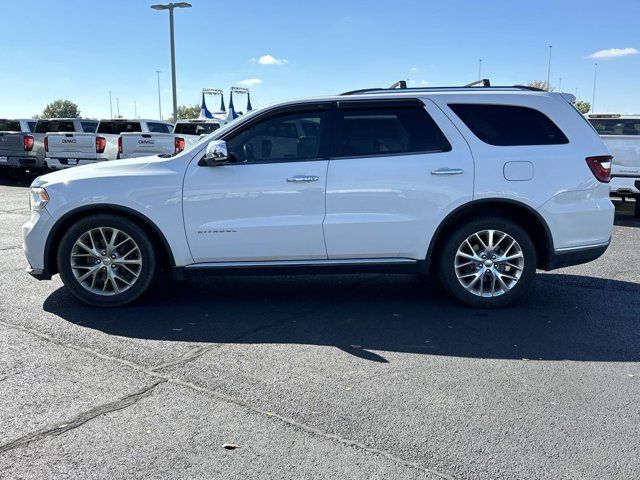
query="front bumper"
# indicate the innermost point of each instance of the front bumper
(34, 238)
(567, 257)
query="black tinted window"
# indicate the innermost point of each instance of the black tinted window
(118, 127)
(9, 126)
(195, 128)
(280, 138)
(53, 126)
(387, 131)
(616, 126)
(506, 125)
(89, 127)
(156, 127)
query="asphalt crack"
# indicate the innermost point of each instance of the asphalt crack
(81, 419)
(162, 378)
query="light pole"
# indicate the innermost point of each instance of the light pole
(118, 106)
(171, 7)
(159, 102)
(595, 76)
(479, 69)
(110, 106)
(549, 69)
(135, 109)
(560, 84)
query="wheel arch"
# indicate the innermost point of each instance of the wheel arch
(525, 216)
(69, 218)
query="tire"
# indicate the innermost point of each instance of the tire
(513, 276)
(120, 276)
(636, 209)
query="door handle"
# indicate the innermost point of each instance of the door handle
(447, 171)
(303, 178)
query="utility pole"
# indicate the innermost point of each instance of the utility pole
(110, 106)
(595, 76)
(159, 101)
(549, 69)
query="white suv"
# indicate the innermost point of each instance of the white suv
(479, 185)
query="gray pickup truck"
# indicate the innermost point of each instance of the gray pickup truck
(16, 143)
(23, 150)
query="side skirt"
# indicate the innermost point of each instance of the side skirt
(302, 267)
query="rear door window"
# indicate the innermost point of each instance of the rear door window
(508, 125)
(386, 130)
(616, 126)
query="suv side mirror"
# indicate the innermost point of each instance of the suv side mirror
(215, 155)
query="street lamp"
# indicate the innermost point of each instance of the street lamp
(595, 77)
(549, 69)
(171, 7)
(110, 106)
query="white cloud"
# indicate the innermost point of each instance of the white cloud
(249, 82)
(610, 53)
(270, 60)
(414, 69)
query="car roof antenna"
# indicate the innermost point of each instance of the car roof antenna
(399, 84)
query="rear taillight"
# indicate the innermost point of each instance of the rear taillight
(119, 144)
(179, 144)
(601, 167)
(46, 144)
(101, 144)
(27, 142)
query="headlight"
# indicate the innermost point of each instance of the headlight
(38, 198)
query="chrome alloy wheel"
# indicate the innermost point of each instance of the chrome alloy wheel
(106, 261)
(489, 263)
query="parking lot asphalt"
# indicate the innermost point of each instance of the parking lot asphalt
(340, 376)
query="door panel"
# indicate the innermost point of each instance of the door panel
(251, 212)
(390, 204)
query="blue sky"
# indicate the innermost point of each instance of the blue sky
(79, 50)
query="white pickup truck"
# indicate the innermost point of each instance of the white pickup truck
(621, 133)
(68, 150)
(184, 134)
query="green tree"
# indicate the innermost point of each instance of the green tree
(185, 111)
(541, 84)
(61, 109)
(582, 106)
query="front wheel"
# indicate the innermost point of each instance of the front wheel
(106, 260)
(487, 263)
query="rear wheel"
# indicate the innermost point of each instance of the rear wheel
(106, 260)
(489, 262)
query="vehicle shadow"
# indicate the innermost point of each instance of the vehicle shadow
(565, 317)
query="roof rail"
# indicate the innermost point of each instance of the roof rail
(401, 86)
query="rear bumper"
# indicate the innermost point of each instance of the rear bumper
(625, 186)
(22, 161)
(62, 163)
(567, 257)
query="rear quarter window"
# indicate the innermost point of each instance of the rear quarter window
(509, 125)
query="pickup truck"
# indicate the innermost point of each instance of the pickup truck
(23, 146)
(621, 133)
(185, 133)
(103, 143)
